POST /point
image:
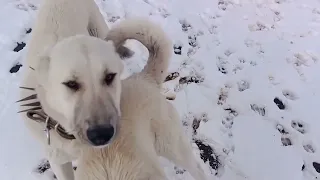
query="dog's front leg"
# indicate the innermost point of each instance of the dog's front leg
(62, 171)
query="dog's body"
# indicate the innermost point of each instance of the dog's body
(75, 73)
(149, 124)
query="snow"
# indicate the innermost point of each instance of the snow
(243, 53)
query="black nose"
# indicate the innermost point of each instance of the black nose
(100, 135)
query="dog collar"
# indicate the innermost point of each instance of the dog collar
(37, 114)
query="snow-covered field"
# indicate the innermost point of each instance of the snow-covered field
(248, 89)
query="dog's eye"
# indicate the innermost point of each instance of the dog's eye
(109, 78)
(73, 85)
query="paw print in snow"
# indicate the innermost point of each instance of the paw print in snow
(223, 4)
(249, 42)
(279, 103)
(243, 85)
(258, 26)
(222, 65)
(172, 76)
(222, 68)
(191, 51)
(26, 7)
(42, 167)
(237, 68)
(203, 117)
(253, 63)
(259, 109)
(207, 154)
(19, 46)
(228, 121)
(113, 19)
(298, 126)
(285, 136)
(308, 147)
(286, 141)
(179, 170)
(191, 79)
(192, 40)
(185, 25)
(232, 112)
(242, 60)
(164, 13)
(177, 48)
(281, 129)
(213, 29)
(28, 31)
(229, 52)
(15, 68)
(276, 18)
(223, 95)
(289, 94)
(303, 58)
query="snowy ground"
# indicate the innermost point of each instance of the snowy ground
(247, 91)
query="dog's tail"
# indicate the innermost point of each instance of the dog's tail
(152, 37)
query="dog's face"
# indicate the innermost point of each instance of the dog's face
(80, 80)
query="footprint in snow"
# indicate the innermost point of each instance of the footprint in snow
(19, 46)
(258, 109)
(185, 25)
(207, 153)
(228, 120)
(243, 85)
(203, 117)
(223, 94)
(177, 48)
(299, 126)
(26, 7)
(279, 103)
(15, 68)
(289, 94)
(285, 136)
(308, 147)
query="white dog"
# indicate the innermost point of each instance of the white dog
(149, 125)
(76, 79)
(57, 20)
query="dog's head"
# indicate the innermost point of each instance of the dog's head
(79, 78)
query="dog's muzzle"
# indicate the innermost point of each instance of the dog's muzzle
(100, 135)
